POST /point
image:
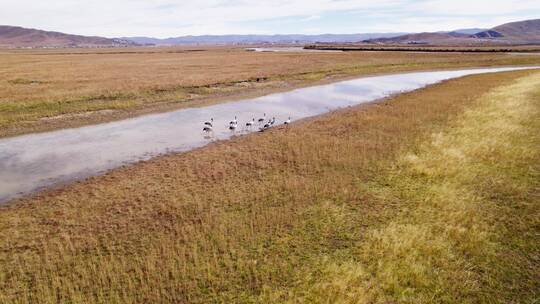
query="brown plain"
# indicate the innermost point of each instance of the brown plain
(49, 89)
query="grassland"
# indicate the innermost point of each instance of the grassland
(428, 197)
(49, 89)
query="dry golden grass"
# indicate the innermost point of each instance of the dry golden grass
(355, 206)
(42, 90)
(471, 232)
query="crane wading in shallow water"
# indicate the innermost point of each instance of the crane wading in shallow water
(233, 124)
(262, 119)
(288, 121)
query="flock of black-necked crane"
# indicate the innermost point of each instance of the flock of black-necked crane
(262, 123)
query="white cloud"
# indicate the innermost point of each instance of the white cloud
(475, 7)
(164, 18)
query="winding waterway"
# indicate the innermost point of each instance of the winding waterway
(32, 162)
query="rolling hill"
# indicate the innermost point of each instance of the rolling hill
(425, 38)
(521, 32)
(14, 36)
(527, 31)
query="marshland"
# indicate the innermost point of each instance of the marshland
(45, 160)
(217, 174)
(43, 90)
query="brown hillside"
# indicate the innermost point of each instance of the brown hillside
(522, 32)
(13, 36)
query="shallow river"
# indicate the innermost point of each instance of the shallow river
(33, 162)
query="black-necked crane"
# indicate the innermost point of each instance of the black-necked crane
(209, 123)
(207, 129)
(262, 119)
(250, 124)
(234, 122)
(288, 121)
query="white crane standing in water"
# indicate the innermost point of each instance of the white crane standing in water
(288, 121)
(233, 124)
(262, 119)
(250, 124)
(208, 129)
(266, 126)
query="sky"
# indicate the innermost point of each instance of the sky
(171, 18)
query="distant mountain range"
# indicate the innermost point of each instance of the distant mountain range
(259, 39)
(14, 36)
(469, 31)
(521, 32)
(273, 39)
